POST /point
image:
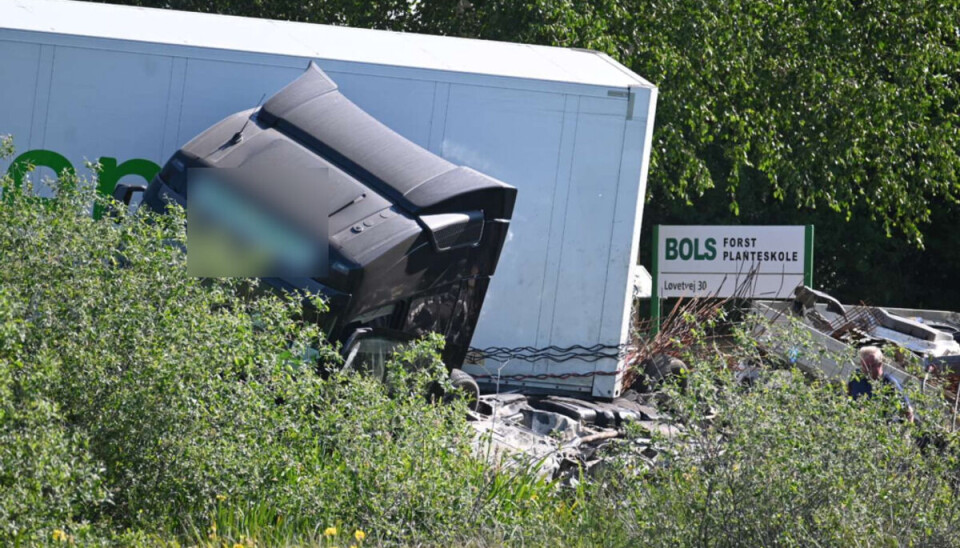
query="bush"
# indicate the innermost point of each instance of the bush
(139, 404)
(785, 461)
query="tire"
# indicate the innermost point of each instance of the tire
(659, 367)
(464, 386)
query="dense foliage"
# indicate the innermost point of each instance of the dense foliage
(789, 463)
(139, 406)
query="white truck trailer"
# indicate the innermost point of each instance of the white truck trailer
(570, 129)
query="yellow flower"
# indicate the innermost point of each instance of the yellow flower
(353, 546)
(359, 535)
(238, 545)
(59, 535)
(221, 498)
(330, 532)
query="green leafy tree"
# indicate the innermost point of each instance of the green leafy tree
(380, 14)
(842, 114)
(829, 104)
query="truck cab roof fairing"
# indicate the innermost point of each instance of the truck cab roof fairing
(413, 239)
(312, 111)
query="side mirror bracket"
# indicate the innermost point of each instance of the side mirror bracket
(123, 192)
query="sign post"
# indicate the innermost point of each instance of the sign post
(766, 262)
(654, 290)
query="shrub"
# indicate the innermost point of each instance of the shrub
(139, 404)
(786, 461)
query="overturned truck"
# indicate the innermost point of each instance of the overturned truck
(413, 239)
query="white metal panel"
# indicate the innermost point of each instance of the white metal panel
(585, 246)
(19, 64)
(215, 89)
(438, 117)
(18, 72)
(149, 25)
(562, 233)
(329, 65)
(515, 137)
(554, 240)
(171, 127)
(625, 235)
(589, 64)
(314, 41)
(588, 219)
(41, 101)
(515, 60)
(106, 103)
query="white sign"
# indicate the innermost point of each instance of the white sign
(766, 262)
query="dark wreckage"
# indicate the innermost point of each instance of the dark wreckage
(412, 239)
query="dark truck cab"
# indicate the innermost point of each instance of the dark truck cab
(413, 239)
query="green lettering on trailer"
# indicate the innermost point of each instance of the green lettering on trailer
(107, 179)
(22, 164)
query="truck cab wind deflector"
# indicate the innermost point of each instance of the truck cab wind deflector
(413, 239)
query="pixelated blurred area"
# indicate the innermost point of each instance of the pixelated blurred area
(257, 223)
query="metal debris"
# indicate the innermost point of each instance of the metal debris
(835, 330)
(563, 436)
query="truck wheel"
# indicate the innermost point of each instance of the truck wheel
(659, 367)
(464, 386)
